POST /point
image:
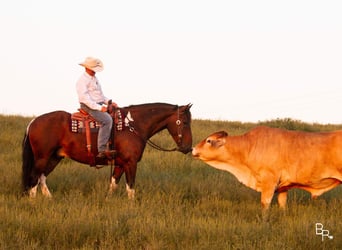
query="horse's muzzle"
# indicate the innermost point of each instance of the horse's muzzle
(185, 150)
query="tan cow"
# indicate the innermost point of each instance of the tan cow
(271, 160)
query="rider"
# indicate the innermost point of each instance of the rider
(93, 101)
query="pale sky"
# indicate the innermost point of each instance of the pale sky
(234, 60)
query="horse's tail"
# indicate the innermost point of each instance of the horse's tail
(28, 162)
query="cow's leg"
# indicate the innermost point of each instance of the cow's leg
(282, 198)
(266, 198)
(268, 182)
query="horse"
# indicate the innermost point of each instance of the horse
(49, 139)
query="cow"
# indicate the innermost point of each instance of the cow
(272, 160)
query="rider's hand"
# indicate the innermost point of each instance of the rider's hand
(104, 109)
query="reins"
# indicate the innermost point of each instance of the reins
(151, 143)
(155, 146)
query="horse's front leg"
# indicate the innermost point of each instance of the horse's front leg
(130, 191)
(114, 180)
(130, 172)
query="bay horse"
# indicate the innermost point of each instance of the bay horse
(48, 139)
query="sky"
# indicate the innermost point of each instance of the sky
(243, 60)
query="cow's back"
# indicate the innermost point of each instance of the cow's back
(295, 151)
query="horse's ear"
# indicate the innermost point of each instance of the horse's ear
(185, 108)
(189, 106)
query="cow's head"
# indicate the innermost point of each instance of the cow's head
(211, 147)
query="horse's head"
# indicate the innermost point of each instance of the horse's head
(179, 126)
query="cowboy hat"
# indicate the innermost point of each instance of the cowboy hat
(93, 64)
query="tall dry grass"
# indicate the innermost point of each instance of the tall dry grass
(180, 203)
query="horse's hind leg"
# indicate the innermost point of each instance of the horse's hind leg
(45, 190)
(54, 160)
(33, 176)
(39, 176)
(44, 187)
(32, 192)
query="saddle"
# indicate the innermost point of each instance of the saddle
(83, 122)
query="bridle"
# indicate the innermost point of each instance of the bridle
(151, 143)
(179, 136)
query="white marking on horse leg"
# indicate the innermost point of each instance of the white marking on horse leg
(33, 191)
(130, 192)
(112, 186)
(44, 187)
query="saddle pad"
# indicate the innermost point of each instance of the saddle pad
(78, 126)
(122, 120)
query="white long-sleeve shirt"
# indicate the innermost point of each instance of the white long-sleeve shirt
(89, 91)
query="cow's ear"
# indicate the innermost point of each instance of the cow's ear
(219, 142)
(222, 134)
(216, 143)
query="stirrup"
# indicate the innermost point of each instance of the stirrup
(109, 154)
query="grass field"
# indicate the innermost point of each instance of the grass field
(181, 203)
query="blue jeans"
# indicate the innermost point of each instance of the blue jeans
(106, 123)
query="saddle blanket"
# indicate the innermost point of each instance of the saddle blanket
(121, 121)
(78, 126)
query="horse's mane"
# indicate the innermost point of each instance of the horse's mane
(151, 105)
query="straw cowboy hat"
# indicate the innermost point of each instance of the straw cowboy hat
(93, 64)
